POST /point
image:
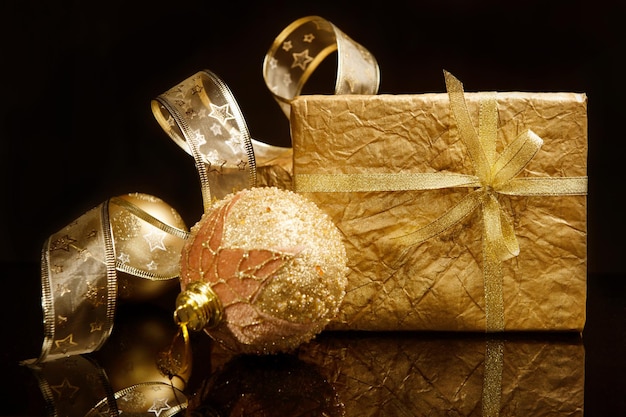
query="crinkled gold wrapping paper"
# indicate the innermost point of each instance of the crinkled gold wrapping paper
(412, 374)
(274, 166)
(439, 286)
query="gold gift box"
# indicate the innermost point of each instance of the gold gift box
(439, 284)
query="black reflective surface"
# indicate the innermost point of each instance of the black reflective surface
(341, 374)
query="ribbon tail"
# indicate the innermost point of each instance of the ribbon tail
(467, 131)
(548, 186)
(450, 218)
(499, 232)
(494, 301)
(499, 244)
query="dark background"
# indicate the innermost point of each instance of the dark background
(76, 125)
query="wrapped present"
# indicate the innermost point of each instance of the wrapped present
(459, 211)
(399, 374)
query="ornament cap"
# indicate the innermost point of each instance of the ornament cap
(198, 307)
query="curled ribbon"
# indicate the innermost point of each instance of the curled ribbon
(300, 48)
(493, 174)
(83, 266)
(203, 117)
(135, 236)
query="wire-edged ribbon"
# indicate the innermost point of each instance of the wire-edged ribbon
(77, 386)
(494, 174)
(203, 117)
(302, 46)
(136, 234)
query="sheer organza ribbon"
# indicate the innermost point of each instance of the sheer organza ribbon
(203, 117)
(301, 47)
(137, 235)
(77, 386)
(493, 174)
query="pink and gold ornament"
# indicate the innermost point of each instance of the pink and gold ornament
(263, 271)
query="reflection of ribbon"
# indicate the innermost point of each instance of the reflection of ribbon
(494, 174)
(72, 386)
(136, 234)
(492, 378)
(300, 48)
(147, 399)
(78, 386)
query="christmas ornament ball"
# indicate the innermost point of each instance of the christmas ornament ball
(147, 255)
(276, 263)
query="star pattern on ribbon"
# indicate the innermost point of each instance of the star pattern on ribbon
(94, 295)
(155, 240)
(221, 113)
(216, 129)
(64, 344)
(62, 243)
(65, 389)
(158, 406)
(301, 59)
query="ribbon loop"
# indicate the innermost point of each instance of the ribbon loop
(83, 269)
(202, 116)
(466, 128)
(301, 47)
(515, 157)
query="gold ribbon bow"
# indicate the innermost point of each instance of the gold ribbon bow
(493, 174)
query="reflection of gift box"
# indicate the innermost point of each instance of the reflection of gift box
(411, 374)
(431, 232)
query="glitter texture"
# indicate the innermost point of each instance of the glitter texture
(277, 263)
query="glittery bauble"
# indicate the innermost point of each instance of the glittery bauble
(277, 264)
(147, 256)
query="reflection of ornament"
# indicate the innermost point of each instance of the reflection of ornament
(277, 385)
(263, 271)
(130, 355)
